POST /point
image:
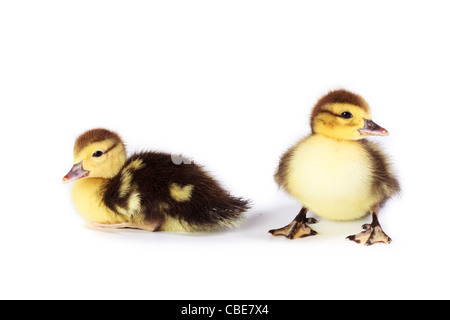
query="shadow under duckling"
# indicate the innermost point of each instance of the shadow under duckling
(150, 190)
(335, 173)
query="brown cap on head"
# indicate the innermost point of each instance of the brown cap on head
(339, 96)
(95, 135)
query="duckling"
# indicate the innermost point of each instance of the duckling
(152, 191)
(335, 172)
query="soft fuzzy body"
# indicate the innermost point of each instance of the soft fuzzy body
(335, 172)
(148, 189)
(336, 179)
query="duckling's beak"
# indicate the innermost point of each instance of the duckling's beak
(75, 173)
(372, 129)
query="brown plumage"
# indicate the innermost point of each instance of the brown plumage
(149, 190)
(338, 96)
(95, 135)
(209, 206)
(384, 181)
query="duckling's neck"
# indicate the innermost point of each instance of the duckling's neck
(340, 133)
(336, 138)
(87, 196)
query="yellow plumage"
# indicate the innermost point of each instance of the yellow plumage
(343, 194)
(336, 174)
(87, 199)
(181, 193)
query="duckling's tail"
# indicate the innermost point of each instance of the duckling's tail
(218, 214)
(228, 214)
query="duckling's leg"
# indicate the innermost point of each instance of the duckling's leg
(298, 228)
(148, 227)
(372, 232)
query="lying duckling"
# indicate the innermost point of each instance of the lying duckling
(150, 190)
(335, 173)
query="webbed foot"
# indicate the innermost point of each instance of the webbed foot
(373, 233)
(294, 230)
(298, 228)
(370, 236)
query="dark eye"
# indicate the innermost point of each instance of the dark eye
(97, 154)
(346, 115)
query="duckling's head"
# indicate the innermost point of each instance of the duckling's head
(98, 153)
(343, 115)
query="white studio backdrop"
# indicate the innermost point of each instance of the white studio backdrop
(230, 84)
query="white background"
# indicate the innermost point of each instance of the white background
(231, 84)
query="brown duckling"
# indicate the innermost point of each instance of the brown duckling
(149, 190)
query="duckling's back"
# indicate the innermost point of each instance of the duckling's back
(152, 187)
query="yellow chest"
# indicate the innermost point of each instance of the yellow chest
(87, 198)
(331, 177)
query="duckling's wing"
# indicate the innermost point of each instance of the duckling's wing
(282, 173)
(209, 206)
(197, 199)
(159, 189)
(384, 182)
(128, 195)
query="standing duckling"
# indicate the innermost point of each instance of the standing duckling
(335, 173)
(150, 190)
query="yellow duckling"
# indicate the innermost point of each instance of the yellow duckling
(335, 173)
(149, 190)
